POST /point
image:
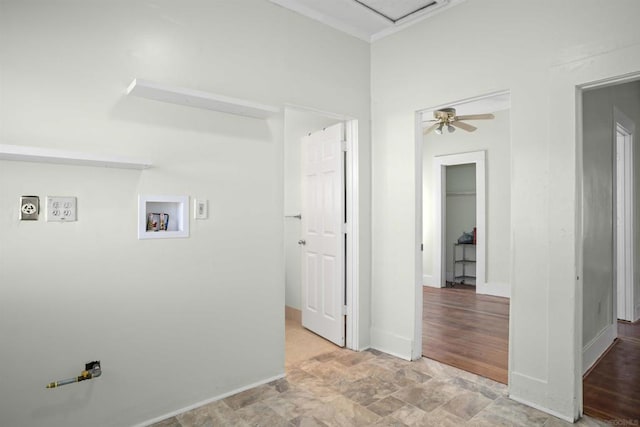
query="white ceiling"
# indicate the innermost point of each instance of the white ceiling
(368, 20)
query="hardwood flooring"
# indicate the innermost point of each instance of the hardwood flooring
(466, 330)
(611, 390)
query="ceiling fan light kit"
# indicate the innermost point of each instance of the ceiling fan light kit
(447, 117)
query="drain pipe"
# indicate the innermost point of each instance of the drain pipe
(91, 370)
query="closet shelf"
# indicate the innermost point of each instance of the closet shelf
(199, 99)
(49, 155)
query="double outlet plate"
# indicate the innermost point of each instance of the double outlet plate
(58, 208)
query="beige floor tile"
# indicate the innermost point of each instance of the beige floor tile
(327, 386)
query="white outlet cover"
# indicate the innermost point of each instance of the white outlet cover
(62, 209)
(200, 209)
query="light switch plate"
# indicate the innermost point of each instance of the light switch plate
(61, 209)
(29, 208)
(200, 209)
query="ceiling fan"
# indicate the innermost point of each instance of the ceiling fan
(446, 117)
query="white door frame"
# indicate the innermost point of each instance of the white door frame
(352, 296)
(440, 164)
(623, 131)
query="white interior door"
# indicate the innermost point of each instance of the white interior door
(323, 242)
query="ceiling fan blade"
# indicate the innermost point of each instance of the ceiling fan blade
(463, 126)
(476, 117)
(430, 128)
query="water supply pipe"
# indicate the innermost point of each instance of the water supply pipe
(91, 370)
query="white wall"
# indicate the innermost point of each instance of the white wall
(493, 137)
(297, 124)
(540, 51)
(461, 213)
(175, 322)
(599, 197)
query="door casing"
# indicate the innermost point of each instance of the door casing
(440, 186)
(624, 129)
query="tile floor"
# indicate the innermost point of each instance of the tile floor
(343, 388)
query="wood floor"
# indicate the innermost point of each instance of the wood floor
(465, 330)
(611, 391)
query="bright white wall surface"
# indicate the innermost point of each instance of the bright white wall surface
(599, 197)
(492, 136)
(297, 124)
(461, 212)
(174, 322)
(540, 51)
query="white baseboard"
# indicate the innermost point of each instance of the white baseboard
(534, 392)
(594, 349)
(427, 280)
(392, 344)
(207, 401)
(495, 288)
(543, 409)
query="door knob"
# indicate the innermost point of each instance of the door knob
(302, 242)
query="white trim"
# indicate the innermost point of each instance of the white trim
(496, 289)
(597, 346)
(427, 279)
(51, 155)
(579, 258)
(353, 248)
(384, 341)
(625, 256)
(416, 350)
(543, 409)
(207, 401)
(439, 193)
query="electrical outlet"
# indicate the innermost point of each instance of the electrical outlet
(29, 208)
(61, 209)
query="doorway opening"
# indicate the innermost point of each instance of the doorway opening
(610, 113)
(464, 231)
(335, 297)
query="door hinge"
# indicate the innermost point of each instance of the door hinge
(346, 310)
(344, 228)
(345, 145)
(421, 247)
